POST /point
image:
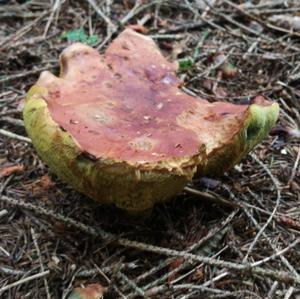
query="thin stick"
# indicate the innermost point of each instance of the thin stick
(5, 43)
(54, 9)
(102, 15)
(14, 136)
(13, 121)
(295, 168)
(9, 112)
(34, 238)
(211, 197)
(188, 264)
(200, 288)
(289, 293)
(167, 36)
(3, 213)
(245, 268)
(263, 22)
(276, 184)
(132, 284)
(24, 280)
(119, 292)
(283, 259)
(272, 291)
(197, 268)
(23, 74)
(183, 266)
(195, 246)
(4, 251)
(234, 294)
(271, 257)
(135, 10)
(11, 271)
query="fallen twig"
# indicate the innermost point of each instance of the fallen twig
(276, 184)
(278, 253)
(13, 121)
(107, 20)
(22, 74)
(24, 280)
(3, 213)
(211, 197)
(245, 268)
(14, 136)
(34, 238)
(274, 248)
(195, 247)
(132, 284)
(9, 271)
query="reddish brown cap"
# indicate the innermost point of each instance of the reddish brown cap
(127, 104)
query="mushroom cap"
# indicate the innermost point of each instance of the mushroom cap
(118, 128)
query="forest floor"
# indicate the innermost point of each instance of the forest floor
(225, 237)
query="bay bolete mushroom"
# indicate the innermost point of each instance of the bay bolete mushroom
(118, 128)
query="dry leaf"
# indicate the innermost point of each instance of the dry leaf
(289, 222)
(138, 28)
(45, 182)
(92, 291)
(8, 170)
(228, 69)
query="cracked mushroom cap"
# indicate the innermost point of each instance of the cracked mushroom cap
(118, 128)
